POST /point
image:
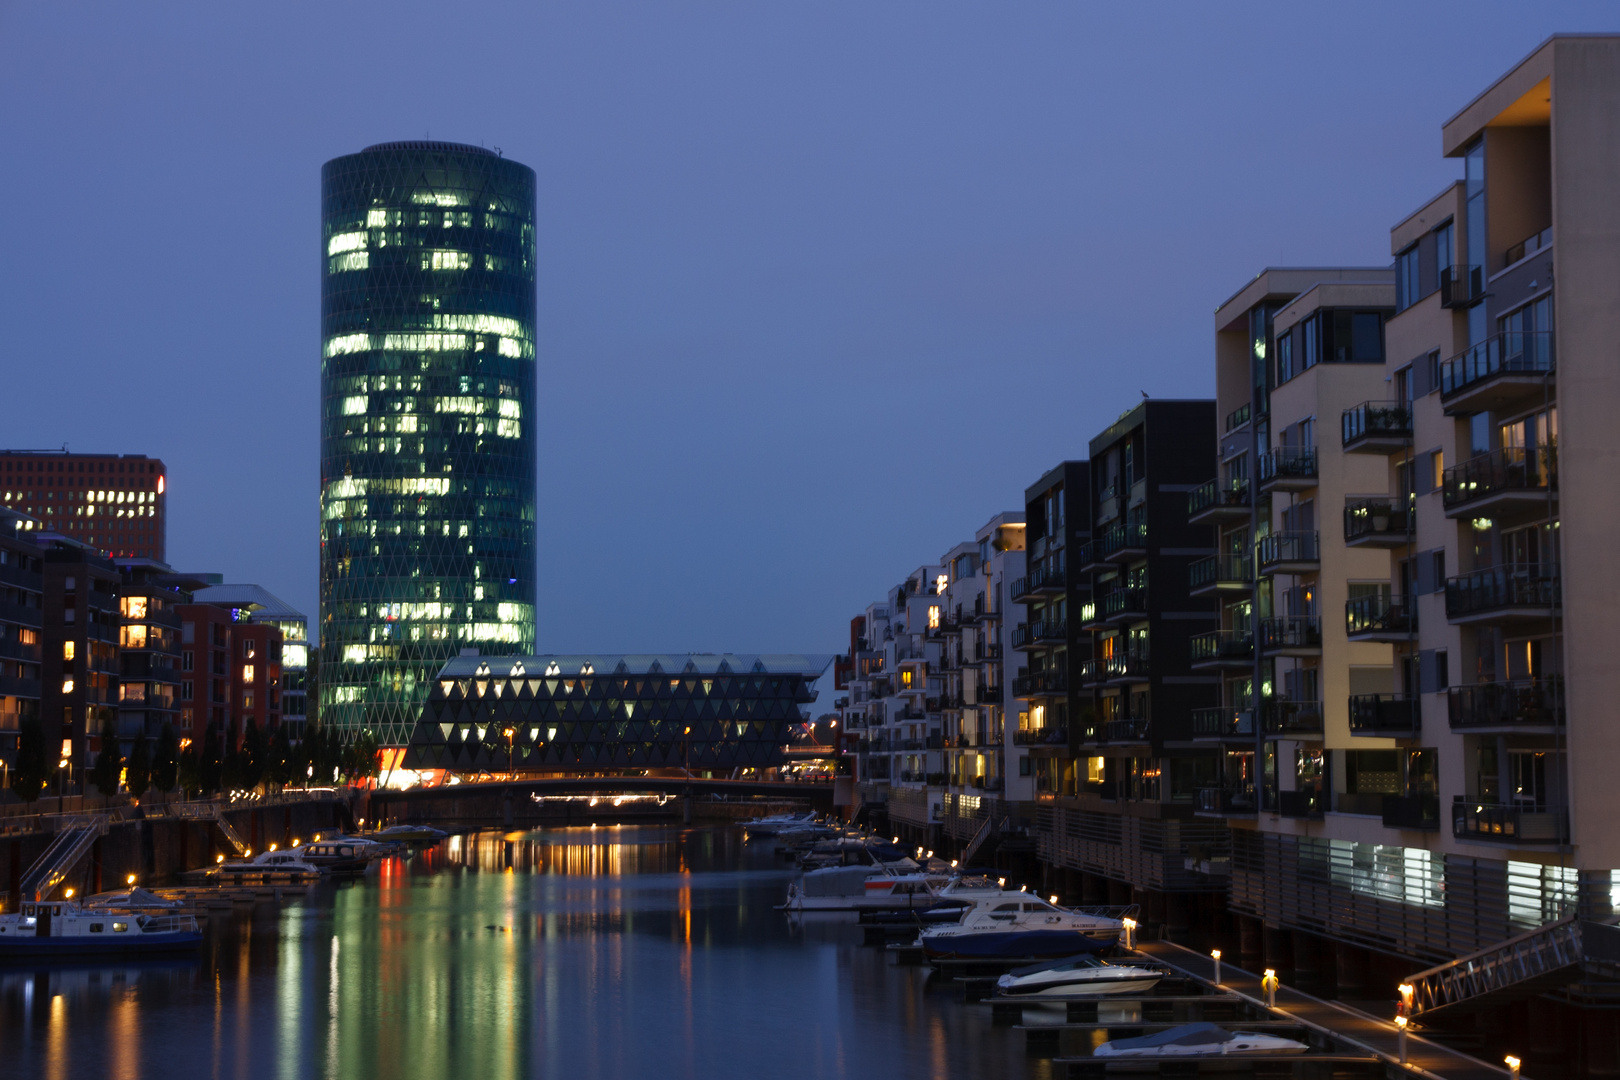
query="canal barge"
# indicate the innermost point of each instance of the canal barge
(61, 930)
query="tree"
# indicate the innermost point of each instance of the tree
(210, 767)
(166, 760)
(191, 770)
(252, 756)
(109, 762)
(138, 769)
(360, 758)
(32, 770)
(298, 761)
(278, 758)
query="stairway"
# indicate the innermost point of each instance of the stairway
(978, 841)
(72, 842)
(232, 837)
(1543, 959)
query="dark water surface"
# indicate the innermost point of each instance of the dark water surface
(578, 953)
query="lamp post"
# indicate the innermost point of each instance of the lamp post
(1268, 986)
(1216, 954)
(1400, 1038)
(1130, 933)
(509, 732)
(1513, 1066)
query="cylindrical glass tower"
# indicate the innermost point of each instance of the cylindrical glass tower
(427, 423)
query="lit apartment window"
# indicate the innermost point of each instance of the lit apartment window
(67, 650)
(247, 674)
(133, 607)
(249, 649)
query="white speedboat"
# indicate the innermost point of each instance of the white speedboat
(1018, 926)
(777, 823)
(134, 898)
(1078, 975)
(270, 866)
(864, 888)
(1195, 1040)
(61, 929)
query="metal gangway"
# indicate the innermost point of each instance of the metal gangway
(1552, 955)
(74, 837)
(211, 811)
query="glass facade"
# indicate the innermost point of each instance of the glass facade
(427, 423)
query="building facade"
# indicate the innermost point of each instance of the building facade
(22, 614)
(258, 606)
(110, 502)
(428, 402)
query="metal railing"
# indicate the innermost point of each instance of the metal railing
(1214, 493)
(1287, 547)
(1054, 681)
(1237, 417)
(1507, 822)
(1384, 714)
(1223, 645)
(1288, 464)
(1292, 632)
(1520, 703)
(1126, 536)
(1507, 353)
(1218, 569)
(1377, 516)
(1132, 664)
(1388, 419)
(1130, 730)
(1291, 717)
(1222, 722)
(1122, 601)
(1041, 736)
(1512, 468)
(1461, 285)
(1539, 955)
(1380, 615)
(1500, 588)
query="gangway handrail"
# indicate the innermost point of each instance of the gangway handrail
(1534, 954)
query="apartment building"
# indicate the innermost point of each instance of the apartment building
(1414, 514)
(22, 587)
(254, 604)
(114, 503)
(1049, 640)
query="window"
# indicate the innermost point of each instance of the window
(1445, 247)
(187, 659)
(1407, 288)
(1437, 469)
(133, 607)
(186, 690)
(69, 584)
(68, 616)
(247, 675)
(1442, 669)
(1285, 358)
(67, 650)
(1313, 342)
(1439, 569)
(249, 649)
(247, 699)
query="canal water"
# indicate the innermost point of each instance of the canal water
(580, 953)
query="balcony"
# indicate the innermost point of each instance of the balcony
(1376, 427)
(1038, 635)
(1506, 823)
(1301, 804)
(1223, 649)
(1535, 705)
(1134, 730)
(1221, 724)
(1215, 501)
(1292, 719)
(1225, 801)
(1503, 594)
(1123, 605)
(1092, 672)
(1412, 812)
(1041, 683)
(1041, 736)
(1125, 542)
(1041, 581)
(1513, 482)
(1290, 469)
(1461, 285)
(1380, 618)
(1288, 553)
(1089, 556)
(1378, 521)
(1500, 374)
(1220, 574)
(1237, 417)
(1126, 667)
(1387, 716)
(1291, 636)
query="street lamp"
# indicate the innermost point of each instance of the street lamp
(1400, 1037)
(1216, 953)
(1268, 986)
(509, 752)
(1513, 1066)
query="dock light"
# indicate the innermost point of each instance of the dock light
(953, 864)
(219, 858)
(1400, 1038)
(1406, 991)
(272, 847)
(930, 854)
(69, 894)
(1268, 986)
(295, 841)
(1054, 898)
(1130, 932)
(897, 839)
(1215, 954)
(1513, 1066)
(1023, 888)
(130, 880)
(1002, 882)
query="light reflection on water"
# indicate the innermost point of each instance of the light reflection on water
(620, 952)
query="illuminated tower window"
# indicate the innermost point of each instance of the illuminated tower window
(427, 423)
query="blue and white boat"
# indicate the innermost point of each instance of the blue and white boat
(62, 930)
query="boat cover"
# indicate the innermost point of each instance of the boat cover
(837, 881)
(1185, 1035)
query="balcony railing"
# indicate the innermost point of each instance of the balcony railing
(1133, 730)
(1309, 803)
(1502, 589)
(1034, 683)
(1391, 715)
(1215, 494)
(1121, 602)
(1506, 822)
(1040, 579)
(1126, 536)
(1222, 722)
(1293, 632)
(1285, 718)
(1382, 420)
(1509, 353)
(1461, 285)
(1220, 571)
(1041, 736)
(1091, 671)
(1533, 703)
(1288, 548)
(1288, 464)
(1127, 665)
(1223, 645)
(1380, 616)
(1412, 812)
(1510, 469)
(1221, 800)
(1379, 517)
(1237, 417)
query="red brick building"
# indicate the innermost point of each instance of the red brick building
(114, 503)
(229, 671)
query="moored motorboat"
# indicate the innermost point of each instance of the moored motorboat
(777, 823)
(341, 856)
(61, 929)
(271, 867)
(1195, 1040)
(409, 834)
(1074, 975)
(863, 888)
(133, 899)
(1018, 926)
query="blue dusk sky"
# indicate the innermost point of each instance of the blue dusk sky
(822, 286)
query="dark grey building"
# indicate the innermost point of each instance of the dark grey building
(427, 423)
